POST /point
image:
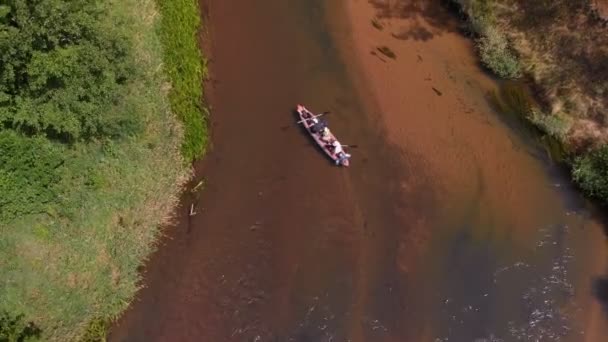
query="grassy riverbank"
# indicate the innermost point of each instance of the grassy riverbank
(560, 48)
(92, 154)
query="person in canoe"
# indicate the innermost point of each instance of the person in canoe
(319, 125)
(320, 128)
(338, 151)
(326, 136)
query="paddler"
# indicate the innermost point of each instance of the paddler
(342, 157)
(318, 126)
(337, 147)
(325, 136)
(339, 152)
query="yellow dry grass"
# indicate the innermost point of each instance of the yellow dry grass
(563, 47)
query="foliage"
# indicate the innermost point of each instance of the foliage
(90, 165)
(591, 173)
(553, 124)
(178, 31)
(480, 14)
(493, 46)
(15, 329)
(30, 169)
(496, 55)
(96, 331)
(63, 70)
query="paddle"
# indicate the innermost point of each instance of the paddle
(314, 116)
(351, 146)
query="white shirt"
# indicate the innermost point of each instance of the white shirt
(337, 147)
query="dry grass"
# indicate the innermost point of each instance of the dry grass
(601, 8)
(563, 47)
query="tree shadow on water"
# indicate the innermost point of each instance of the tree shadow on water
(600, 291)
(427, 18)
(600, 284)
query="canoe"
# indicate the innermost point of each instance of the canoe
(308, 119)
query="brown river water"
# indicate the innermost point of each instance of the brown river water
(450, 224)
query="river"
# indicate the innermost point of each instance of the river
(450, 224)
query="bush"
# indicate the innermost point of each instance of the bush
(29, 174)
(496, 55)
(480, 14)
(493, 45)
(63, 71)
(591, 173)
(15, 329)
(553, 124)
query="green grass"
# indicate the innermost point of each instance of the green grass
(69, 264)
(186, 68)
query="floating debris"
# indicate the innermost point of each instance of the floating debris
(376, 23)
(385, 50)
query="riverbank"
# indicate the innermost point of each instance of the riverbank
(87, 184)
(561, 50)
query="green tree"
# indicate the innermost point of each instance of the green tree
(63, 71)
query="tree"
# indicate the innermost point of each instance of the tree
(63, 71)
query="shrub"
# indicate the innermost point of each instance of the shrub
(591, 173)
(29, 174)
(496, 55)
(480, 14)
(554, 125)
(15, 329)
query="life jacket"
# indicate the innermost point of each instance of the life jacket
(318, 127)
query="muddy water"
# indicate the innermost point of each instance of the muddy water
(449, 226)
